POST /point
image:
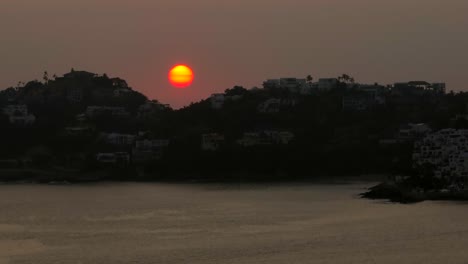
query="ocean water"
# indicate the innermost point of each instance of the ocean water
(173, 223)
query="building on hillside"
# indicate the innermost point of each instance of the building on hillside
(96, 111)
(309, 88)
(460, 118)
(20, 110)
(418, 88)
(146, 150)
(77, 131)
(74, 94)
(326, 84)
(294, 85)
(212, 141)
(118, 139)
(361, 101)
(439, 88)
(150, 108)
(371, 88)
(18, 114)
(113, 158)
(10, 94)
(413, 131)
(119, 83)
(271, 84)
(356, 102)
(279, 137)
(446, 151)
(267, 137)
(233, 98)
(79, 75)
(274, 105)
(118, 92)
(271, 105)
(217, 101)
(252, 139)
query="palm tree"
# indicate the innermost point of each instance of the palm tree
(46, 77)
(346, 78)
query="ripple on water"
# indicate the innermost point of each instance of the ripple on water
(10, 247)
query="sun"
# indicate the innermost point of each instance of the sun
(181, 76)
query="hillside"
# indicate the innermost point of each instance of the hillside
(87, 123)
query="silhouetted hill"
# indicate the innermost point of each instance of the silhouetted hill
(86, 122)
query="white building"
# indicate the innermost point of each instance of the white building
(149, 108)
(74, 94)
(252, 139)
(113, 158)
(309, 88)
(18, 114)
(267, 137)
(119, 83)
(10, 110)
(439, 87)
(212, 141)
(446, 150)
(413, 131)
(121, 92)
(149, 149)
(118, 139)
(273, 105)
(93, 111)
(294, 85)
(217, 101)
(326, 84)
(271, 84)
(280, 137)
(78, 130)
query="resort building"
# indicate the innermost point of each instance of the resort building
(212, 141)
(446, 151)
(18, 114)
(217, 101)
(146, 150)
(118, 139)
(95, 111)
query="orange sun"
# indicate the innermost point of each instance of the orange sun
(181, 76)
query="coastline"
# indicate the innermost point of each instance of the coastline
(399, 194)
(17, 176)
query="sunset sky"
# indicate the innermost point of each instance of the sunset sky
(239, 42)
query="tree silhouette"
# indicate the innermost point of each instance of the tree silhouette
(45, 77)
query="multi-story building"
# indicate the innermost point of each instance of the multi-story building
(146, 150)
(326, 84)
(294, 85)
(418, 88)
(212, 141)
(267, 137)
(94, 111)
(217, 101)
(113, 158)
(413, 131)
(446, 151)
(18, 114)
(273, 105)
(118, 139)
(74, 94)
(119, 83)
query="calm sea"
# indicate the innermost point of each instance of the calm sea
(164, 223)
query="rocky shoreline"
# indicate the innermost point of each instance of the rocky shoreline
(402, 194)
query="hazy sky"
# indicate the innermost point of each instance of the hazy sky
(239, 42)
